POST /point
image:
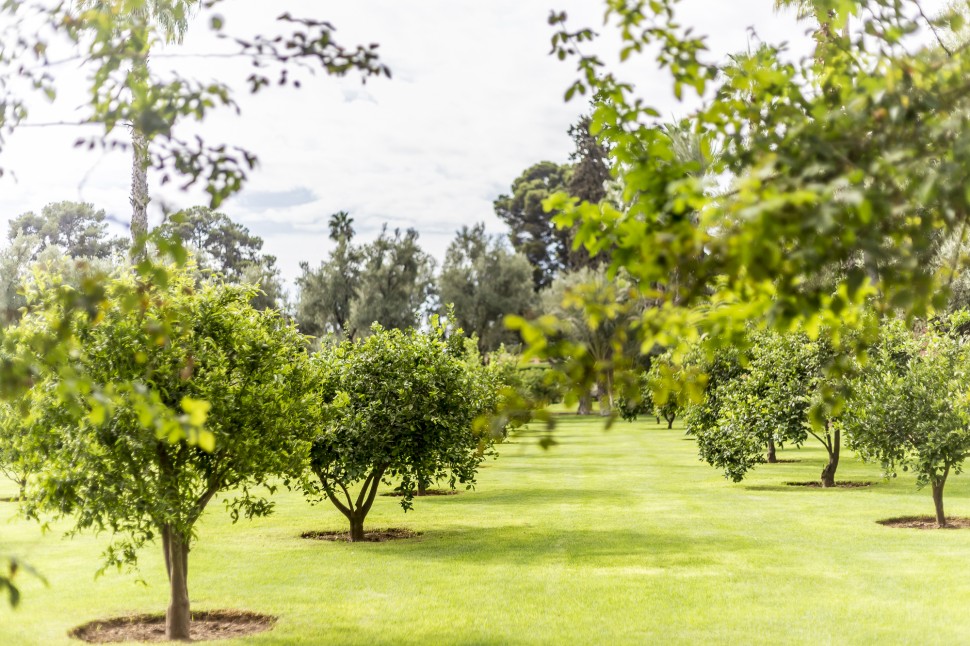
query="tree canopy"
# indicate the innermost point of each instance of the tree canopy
(76, 228)
(848, 163)
(397, 404)
(485, 281)
(118, 465)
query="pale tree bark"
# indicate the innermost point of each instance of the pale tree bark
(139, 185)
(140, 162)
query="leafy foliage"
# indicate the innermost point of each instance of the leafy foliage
(327, 292)
(122, 91)
(910, 409)
(397, 404)
(661, 393)
(532, 231)
(76, 228)
(848, 163)
(229, 249)
(588, 313)
(769, 395)
(196, 394)
(396, 283)
(485, 282)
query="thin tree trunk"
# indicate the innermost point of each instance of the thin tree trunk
(938, 502)
(177, 617)
(605, 388)
(834, 447)
(670, 421)
(139, 172)
(772, 452)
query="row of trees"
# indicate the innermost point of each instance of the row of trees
(247, 408)
(904, 401)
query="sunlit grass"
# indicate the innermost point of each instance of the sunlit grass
(610, 537)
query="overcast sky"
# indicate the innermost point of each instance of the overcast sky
(475, 98)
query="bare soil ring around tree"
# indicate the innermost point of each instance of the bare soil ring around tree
(206, 625)
(842, 484)
(925, 522)
(370, 536)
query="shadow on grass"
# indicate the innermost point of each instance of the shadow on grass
(537, 545)
(546, 497)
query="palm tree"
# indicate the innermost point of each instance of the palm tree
(170, 18)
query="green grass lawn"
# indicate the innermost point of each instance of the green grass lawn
(610, 537)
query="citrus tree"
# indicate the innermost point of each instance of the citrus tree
(398, 404)
(910, 411)
(770, 397)
(198, 351)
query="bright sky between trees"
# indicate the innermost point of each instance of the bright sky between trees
(475, 98)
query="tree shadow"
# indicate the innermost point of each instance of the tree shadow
(601, 551)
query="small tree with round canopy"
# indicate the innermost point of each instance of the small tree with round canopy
(199, 351)
(398, 404)
(910, 409)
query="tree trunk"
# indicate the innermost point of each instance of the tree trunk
(605, 390)
(422, 487)
(585, 405)
(140, 162)
(356, 528)
(938, 502)
(670, 422)
(177, 617)
(772, 453)
(834, 447)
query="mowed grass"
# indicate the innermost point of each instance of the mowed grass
(610, 537)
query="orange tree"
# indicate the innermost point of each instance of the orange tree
(398, 404)
(138, 461)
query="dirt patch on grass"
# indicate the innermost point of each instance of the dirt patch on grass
(429, 492)
(207, 625)
(782, 461)
(925, 522)
(371, 536)
(9, 499)
(844, 484)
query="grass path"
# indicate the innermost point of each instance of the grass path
(610, 537)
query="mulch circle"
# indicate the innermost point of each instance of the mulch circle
(370, 536)
(784, 462)
(206, 625)
(429, 492)
(925, 522)
(838, 485)
(9, 499)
